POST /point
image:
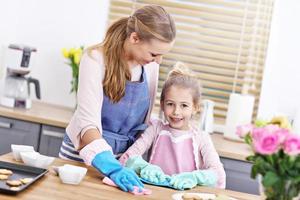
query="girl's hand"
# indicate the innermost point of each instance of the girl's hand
(153, 174)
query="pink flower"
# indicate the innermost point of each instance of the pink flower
(291, 145)
(272, 128)
(282, 134)
(265, 142)
(243, 130)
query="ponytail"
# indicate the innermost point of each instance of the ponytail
(116, 72)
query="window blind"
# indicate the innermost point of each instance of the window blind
(223, 41)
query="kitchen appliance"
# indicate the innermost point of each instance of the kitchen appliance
(20, 58)
(17, 85)
(207, 116)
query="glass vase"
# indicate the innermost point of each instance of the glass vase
(282, 196)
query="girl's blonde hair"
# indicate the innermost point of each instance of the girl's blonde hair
(182, 76)
(149, 22)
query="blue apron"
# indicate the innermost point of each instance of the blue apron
(121, 121)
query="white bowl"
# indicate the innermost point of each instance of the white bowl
(16, 149)
(71, 174)
(35, 159)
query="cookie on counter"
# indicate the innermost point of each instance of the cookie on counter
(3, 177)
(14, 188)
(6, 172)
(13, 183)
(189, 196)
(26, 180)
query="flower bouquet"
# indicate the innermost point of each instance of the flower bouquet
(73, 55)
(276, 157)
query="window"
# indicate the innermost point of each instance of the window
(223, 41)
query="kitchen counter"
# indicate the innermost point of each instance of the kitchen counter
(59, 116)
(230, 149)
(40, 112)
(50, 187)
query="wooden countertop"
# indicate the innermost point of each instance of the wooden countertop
(230, 149)
(40, 112)
(50, 187)
(60, 116)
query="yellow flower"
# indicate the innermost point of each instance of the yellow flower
(66, 53)
(77, 57)
(73, 56)
(78, 51)
(72, 51)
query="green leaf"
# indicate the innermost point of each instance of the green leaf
(260, 123)
(251, 158)
(270, 179)
(254, 172)
(248, 139)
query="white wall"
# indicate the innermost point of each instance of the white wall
(281, 82)
(52, 25)
(49, 26)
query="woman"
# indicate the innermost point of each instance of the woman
(117, 87)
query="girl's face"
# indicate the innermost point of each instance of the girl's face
(144, 52)
(178, 107)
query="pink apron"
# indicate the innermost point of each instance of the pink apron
(175, 152)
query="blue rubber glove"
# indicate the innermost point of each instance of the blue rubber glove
(188, 180)
(123, 177)
(147, 171)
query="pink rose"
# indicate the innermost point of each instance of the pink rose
(282, 134)
(291, 145)
(272, 128)
(243, 130)
(257, 133)
(265, 142)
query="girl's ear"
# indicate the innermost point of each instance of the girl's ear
(197, 109)
(134, 38)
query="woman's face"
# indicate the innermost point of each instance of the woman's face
(144, 52)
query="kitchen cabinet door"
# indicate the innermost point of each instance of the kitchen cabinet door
(238, 176)
(51, 139)
(13, 131)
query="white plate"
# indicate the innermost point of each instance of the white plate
(178, 196)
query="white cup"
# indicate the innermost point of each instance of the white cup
(16, 149)
(71, 174)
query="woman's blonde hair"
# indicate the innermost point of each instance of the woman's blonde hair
(182, 76)
(149, 22)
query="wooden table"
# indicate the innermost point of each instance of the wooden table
(92, 188)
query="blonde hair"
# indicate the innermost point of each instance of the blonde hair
(183, 77)
(149, 22)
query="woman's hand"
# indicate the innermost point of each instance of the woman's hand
(126, 178)
(123, 177)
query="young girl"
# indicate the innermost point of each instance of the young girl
(182, 156)
(117, 86)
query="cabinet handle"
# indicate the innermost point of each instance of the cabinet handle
(53, 134)
(5, 125)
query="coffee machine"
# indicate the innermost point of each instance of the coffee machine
(19, 59)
